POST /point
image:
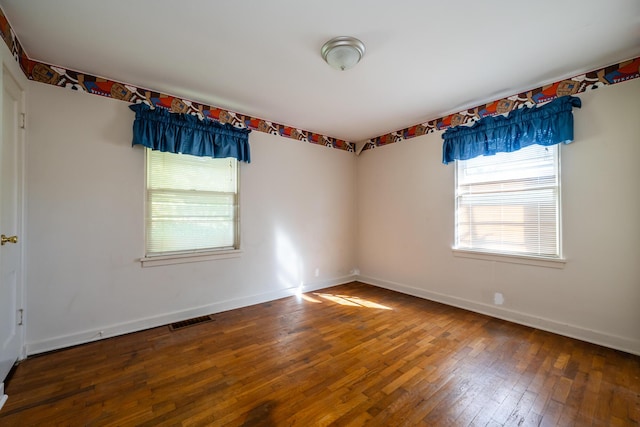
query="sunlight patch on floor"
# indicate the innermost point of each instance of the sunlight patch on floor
(351, 301)
(310, 299)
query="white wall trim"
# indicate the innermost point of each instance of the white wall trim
(3, 397)
(189, 257)
(595, 337)
(167, 318)
(514, 259)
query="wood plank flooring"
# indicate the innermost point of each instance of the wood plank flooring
(350, 355)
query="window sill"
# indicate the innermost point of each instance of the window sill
(187, 258)
(513, 259)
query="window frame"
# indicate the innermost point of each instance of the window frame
(196, 255)
(497, 256)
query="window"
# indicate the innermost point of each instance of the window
(191, 204)
(509, 203)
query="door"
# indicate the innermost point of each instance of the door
(11, 334)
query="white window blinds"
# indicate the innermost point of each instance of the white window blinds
(509, 203)
(192, 203)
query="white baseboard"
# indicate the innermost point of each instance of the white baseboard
(596, 337)
(108, 331)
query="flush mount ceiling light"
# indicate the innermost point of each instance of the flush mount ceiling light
(343, 52)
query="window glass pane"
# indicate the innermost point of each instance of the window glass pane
(186, 172)
(191, 203)
(508, 203)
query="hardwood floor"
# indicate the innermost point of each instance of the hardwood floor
(349, 355)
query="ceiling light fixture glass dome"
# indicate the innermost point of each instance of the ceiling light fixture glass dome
(343, 52)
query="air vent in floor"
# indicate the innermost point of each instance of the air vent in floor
(190, 322)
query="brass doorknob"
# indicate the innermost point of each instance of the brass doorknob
(5, 239)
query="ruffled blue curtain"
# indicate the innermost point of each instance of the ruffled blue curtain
(162, 130)
(546, 125)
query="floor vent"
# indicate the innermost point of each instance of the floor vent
(190, 322)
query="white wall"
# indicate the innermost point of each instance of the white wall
(305, 207)
(85, 226)
(406, 223)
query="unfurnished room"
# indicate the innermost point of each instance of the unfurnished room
(278, 213)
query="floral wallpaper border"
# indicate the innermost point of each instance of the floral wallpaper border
(59, 76)
(613, 74)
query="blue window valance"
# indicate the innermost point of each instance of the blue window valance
(162, 130)
(546, 125)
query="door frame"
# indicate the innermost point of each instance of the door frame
(10, 66)
(20, 176)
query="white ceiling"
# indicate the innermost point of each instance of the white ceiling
(424, 58)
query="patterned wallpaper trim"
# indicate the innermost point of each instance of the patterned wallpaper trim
(59, 76)
(63, 77)
(606, 76)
